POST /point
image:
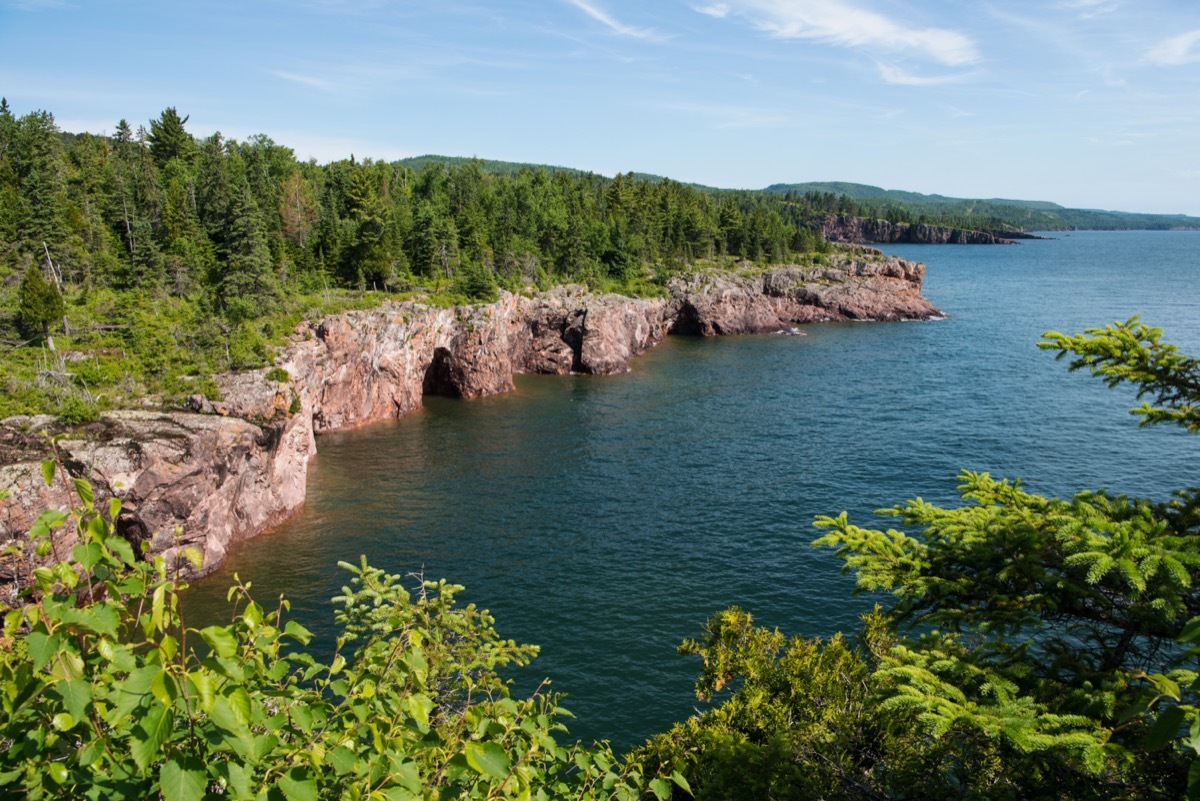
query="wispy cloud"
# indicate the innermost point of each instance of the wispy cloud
(308, 80)
(610, 22)
(841, 23)
(729, 116)
(895, 75)
(1091, 8)
(39, 5)
(1176, 51)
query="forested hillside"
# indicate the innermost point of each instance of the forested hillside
(992, 213)
(180, 257)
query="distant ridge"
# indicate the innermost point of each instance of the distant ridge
(1030, 215)
(985, 213)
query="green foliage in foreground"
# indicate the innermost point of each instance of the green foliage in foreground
(1029, 650)
(106, 693)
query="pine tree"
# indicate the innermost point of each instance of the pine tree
(169, 140)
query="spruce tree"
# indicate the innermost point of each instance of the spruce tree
(40, 304)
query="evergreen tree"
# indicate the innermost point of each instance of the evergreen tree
(169, 140)
(40, 304)
(246, 279)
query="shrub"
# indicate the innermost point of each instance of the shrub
(107, 693)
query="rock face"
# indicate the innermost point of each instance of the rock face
(240, 465)
(184, 480)
(865, 231)
(864, 287)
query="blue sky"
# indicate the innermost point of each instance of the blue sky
(1088, 103)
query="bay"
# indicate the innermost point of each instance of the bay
(606, 519)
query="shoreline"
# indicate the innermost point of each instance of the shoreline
(228, 470)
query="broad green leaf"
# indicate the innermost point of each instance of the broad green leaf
(165, 688)
(133, 692)
(87, 554)
(157, 605)
(343, 760)
(86, 496)
(48, 471)
(239, 703)
(679, 780)
(298, 632)
(237, 780)
(661, 789)
(419, 707)
(194, 557)
(182, 779)
(58, 772)
(63, 721)
(41, 647)
(487, 758)
(223, 643)
(66, 665)
(114, 507)
(101, 618)
(252, 616)
(302, 716)
(150, 733)
(408, 776)
(1166, 728)
(263, 745)
(122, 549)
(298, 785)
(206, 691)
(76, 695)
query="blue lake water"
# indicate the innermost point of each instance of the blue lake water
(606, 518)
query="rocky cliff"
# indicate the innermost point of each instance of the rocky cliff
(866, 231)
(228, 469)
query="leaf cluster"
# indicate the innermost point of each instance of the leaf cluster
(107, 693)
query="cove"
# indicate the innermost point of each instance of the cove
(606, 518)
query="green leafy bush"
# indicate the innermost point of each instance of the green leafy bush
(107, 693)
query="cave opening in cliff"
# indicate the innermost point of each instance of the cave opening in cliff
(438, 376)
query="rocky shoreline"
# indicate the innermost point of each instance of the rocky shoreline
(838, 228)
(227, 470)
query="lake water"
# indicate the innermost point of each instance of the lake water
(606, 519)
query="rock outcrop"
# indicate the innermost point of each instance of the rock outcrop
(861, 230)
(866, 287)
(230, 468)
(183, 479)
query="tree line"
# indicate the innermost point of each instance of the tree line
(156, 209)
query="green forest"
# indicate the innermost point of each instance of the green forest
(174, 256)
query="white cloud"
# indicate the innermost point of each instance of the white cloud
(718, 10)
(895, 75)
(840, 23)
(606, 19)
(1176, 51)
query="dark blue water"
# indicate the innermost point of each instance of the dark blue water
(606, 518)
